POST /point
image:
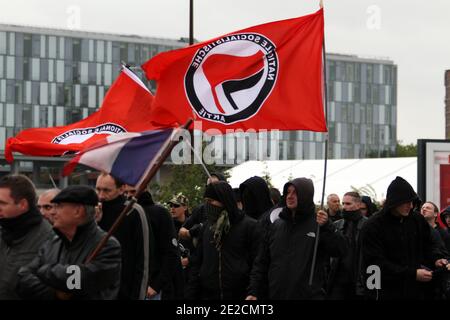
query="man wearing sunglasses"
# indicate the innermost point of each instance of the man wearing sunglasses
(45, 206)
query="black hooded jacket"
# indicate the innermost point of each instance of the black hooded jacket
(165, 265)
(285, 256)
(255, 195)
(398, 246)
(224, 273)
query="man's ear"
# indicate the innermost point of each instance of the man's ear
(23, 205)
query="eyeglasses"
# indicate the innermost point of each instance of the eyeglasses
(45, 206)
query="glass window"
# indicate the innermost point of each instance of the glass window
(3, 90)
(77, 89)
(59, 71)
(92, 77)
(50, 116)
(35, 69)
(26, 68)
(52, 93)
(92, 97)
(76, 50)
(60, 94)
(12, 43)
(51, 70)
(61, 54)
(18, 91)
(10, 68)
(59, 116)
(109, 51)
(84, 49)
(108, 75)
(100, 51)
(68, 70)
(145, 52)
(68, 49)
(35, 90)
(2, 73)
(99, 74)
(101, 94)
(43, 47)
(84, 72)
(10, 115)
(10, 91)
(52, 47)
(19, 44)
(19, 68)
(137, 53)
(91, 50)
(1, 114)
(44, 70)
(76, 72)
(44, 93)
(123, 52)
(36, 45)
(68, 95)
(116, 52)
(2, 42)
(84, 96)
(36, 117)
(28, 92)
(338, 91)
(369, 73)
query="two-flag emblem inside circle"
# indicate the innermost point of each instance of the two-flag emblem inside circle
(229, 79)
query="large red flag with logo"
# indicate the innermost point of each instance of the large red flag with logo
(126, 107)
(263, 77)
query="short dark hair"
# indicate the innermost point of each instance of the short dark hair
(355, 195)
(117, 182)
(21, 187)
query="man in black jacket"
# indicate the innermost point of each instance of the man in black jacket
(345, 281)
(132, 234)
(284, 260)
(398, 241)
(222, 262)
(60, 270)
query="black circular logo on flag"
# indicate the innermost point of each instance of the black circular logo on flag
(229, 79)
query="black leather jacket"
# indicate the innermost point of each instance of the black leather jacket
(48, 272)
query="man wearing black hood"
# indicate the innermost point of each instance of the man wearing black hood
(285, 256)
(398, 241)
(255, 197)
(132, 234)
(344, 281)
(22, 230)
(226, 249)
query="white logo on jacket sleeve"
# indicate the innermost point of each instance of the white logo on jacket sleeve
(311, 234)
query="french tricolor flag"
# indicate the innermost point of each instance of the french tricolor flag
(127, 156)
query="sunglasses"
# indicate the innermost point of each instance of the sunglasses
(45, 206)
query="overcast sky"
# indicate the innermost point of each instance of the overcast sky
(415, 34)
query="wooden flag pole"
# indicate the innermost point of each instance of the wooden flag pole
(142, 187)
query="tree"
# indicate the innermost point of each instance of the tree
(409, 150)
(189, 180)
(266, 175)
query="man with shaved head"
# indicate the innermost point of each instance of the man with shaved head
(334, 207)
(45, 206)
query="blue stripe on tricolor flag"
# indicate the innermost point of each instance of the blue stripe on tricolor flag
(137, 154)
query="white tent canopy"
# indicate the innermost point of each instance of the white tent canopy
(370, 176)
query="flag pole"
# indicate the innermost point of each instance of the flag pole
(325, 94)
(142, 187)
(191, 22)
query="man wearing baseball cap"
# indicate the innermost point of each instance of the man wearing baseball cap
(60, 270)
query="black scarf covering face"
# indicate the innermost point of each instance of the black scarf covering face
(16, 228)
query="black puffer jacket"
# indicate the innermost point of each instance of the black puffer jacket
(100, 279)
(398, 246)
(285, 257)
(224, 274)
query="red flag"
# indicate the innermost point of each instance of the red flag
(125, 108)
(263, 77)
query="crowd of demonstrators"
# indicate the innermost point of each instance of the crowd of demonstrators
(250, 242)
